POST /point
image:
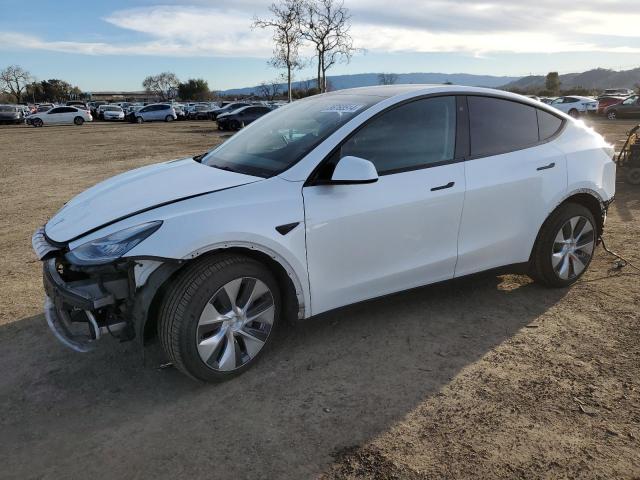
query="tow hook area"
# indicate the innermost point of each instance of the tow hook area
(67, 331)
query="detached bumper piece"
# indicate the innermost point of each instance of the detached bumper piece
(83, 306)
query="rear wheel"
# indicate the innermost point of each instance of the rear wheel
(612, 115)
(565, 245)
(78, 120)
(235, 125)
(218, 316)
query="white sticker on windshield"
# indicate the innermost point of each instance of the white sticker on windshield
(343, 108)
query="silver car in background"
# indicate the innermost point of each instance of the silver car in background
(156, 112)
(11, 114)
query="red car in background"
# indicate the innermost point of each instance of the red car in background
(605, 101)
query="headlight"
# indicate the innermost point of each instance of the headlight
(107, 249)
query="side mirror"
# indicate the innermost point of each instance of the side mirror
(353, 170)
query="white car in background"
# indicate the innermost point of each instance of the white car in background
(60, 115)
(327, 201)
(575, 106)
(112, 112)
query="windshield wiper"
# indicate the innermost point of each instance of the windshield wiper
(198, 158)
(228, 169)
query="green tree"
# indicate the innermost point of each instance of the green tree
(194, 89)
(552, 83)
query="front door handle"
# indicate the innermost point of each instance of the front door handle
(442, 187)
(546, 167)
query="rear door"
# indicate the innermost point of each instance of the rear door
(514, 176)
(400, 232)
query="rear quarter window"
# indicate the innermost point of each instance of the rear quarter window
(500, 126)
(548, 124)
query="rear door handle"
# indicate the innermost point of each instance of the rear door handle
(442, 187)
(546, 167)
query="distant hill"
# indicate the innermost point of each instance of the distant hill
(598, 78)
(340, 82)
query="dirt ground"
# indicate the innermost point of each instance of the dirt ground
(483, 377)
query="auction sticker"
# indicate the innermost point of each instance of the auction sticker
(343, 108)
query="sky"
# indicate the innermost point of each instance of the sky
(113, 45)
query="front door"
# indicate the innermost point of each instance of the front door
(368, 240)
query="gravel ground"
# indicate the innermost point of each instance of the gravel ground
(483, 377)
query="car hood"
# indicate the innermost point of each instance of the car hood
(137, 191)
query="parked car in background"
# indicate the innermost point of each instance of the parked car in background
(630, 107)
(11, 114)
(533, 97)
(180, 110)
(575, 105)
(94, 107)
(43, 107)
(156, 112)
(130, 114)
(622, 92)
(229, 107)
(200, 112)
(241, 117)
(112, 112)
(605, 101)
(60, 115)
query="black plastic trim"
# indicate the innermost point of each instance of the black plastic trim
(284, 229)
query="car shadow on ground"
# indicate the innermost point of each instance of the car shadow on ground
(325, 384)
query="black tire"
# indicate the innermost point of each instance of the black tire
(78, 120)
(541, 268)
(574, 113)
(612, 115)
(185, 300)
(37, 122)
(235, 125)
(633, 176)
(168, 118)
(139, 120)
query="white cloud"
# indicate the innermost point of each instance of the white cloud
(479, 27)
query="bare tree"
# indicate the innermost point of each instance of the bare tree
(164, 85)
(270, 90)
(327, 25)
(14, 80)
(287, 36)
(387, 78)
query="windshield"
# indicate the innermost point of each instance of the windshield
(281, 138)
(112, 109)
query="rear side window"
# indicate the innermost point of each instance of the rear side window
(413, 135)
(500, 126)
(548, 124)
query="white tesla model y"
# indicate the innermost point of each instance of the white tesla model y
(331, 200)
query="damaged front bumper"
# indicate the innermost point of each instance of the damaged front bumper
(84, 303)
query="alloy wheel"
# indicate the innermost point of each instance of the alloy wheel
(573, 248)
(235, 324)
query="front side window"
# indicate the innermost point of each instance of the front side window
(414, 135)
(630, 101)
(55, 110)
(500, 126)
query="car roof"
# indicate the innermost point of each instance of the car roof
(413, 90)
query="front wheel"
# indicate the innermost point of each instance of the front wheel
(78, 120)
(574, 113)
(565, 246)
(139, 120)
(37, 122)
(218, 316)
(612, 115)
(168, 118)
(633, 176)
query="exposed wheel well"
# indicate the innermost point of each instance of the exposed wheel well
(289, 300)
